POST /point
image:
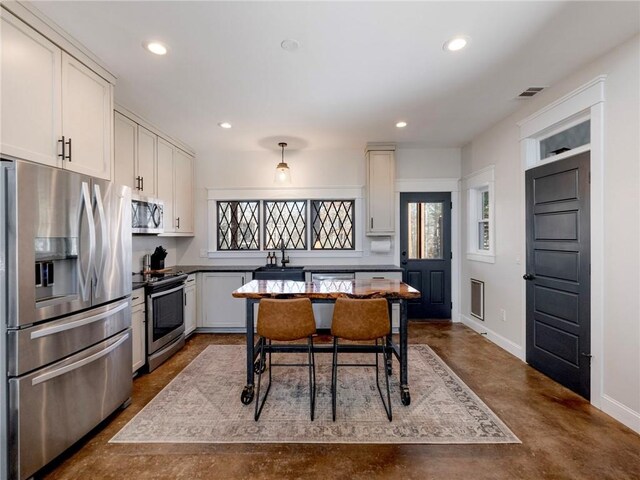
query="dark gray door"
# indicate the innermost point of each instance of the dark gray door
(425, 252)
(558, 276)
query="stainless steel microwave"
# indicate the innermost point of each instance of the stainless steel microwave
(147, 215)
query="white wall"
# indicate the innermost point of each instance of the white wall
(504, 287)
(143, 244)
(249, 170)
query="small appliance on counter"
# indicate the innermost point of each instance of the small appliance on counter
(146, 263)
(157, 258)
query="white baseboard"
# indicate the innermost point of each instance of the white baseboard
(621, 412)
(502, 342)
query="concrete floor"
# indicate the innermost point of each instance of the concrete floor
(563, 437)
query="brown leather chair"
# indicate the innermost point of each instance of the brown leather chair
(359, 320)
(285, 320)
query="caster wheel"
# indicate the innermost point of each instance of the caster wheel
(257, 369)
(247, 395)
(405, 396)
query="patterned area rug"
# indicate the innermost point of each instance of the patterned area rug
(202, 405)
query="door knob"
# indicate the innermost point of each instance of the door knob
(528, 276)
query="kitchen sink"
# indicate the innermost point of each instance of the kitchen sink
(279, 273)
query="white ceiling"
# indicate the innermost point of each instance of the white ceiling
(361, 67)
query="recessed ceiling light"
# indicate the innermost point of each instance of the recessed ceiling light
(156, 48)
(224, 124)
(456, 43)
(290, 45)
(401, 124)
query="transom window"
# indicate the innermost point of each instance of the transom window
(332, 225)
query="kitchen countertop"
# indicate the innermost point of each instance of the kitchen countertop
(189, 269)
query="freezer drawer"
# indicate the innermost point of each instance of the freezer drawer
(38, 346)
(53, 407)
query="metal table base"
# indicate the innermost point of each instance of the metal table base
(398, 349)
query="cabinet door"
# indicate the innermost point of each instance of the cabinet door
(219, 309)
(125, 151)
(189, 309)
(380, 193)
(87, 119)
(165, 182)
(138, 323)
(30, 92)
(183, 175)
(146, 170)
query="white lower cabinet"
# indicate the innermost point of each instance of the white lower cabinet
(395, 308)
(220, 312)
(138, 326)
(190, 298)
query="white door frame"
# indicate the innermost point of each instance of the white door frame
(585, 102)
(451, 185)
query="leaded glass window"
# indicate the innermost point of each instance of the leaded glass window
(285, 221)
(332, 225)
(238, 225)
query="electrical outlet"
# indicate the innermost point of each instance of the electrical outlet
(503, 315)
(203, 253)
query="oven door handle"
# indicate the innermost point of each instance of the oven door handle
(166, 292)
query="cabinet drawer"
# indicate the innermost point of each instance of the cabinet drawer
(379, 275)
(137, 297)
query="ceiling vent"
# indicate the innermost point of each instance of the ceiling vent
(530, 92)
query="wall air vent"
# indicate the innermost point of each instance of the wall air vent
(477, 299)
(530, 92)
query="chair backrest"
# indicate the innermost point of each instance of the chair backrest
(360, 319)
(286, 319)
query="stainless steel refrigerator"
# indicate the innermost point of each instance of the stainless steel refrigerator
(65, 285)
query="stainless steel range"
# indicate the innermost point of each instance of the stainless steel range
(165, 317)
(65, 285)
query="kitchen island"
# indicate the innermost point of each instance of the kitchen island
(394, 291)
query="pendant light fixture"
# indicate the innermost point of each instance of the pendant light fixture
(283, 174)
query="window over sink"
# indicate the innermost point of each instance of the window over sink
(257, 225)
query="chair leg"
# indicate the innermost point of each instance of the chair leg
(260, 404)
(387, 404)
(334, 378)
(312, 378)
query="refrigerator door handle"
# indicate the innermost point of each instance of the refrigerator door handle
(104, 235)
(78, 323)
(80, 363)
(85, 277)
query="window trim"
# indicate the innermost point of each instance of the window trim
(475, 184)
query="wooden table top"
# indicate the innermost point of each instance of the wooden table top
(327, 290)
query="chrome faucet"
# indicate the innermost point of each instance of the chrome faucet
(284, 259)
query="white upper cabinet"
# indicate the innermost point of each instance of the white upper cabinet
(30, 93)
(146, 171)
(87, 117)
(380, 192)
(55, 109)
(183, 191)
(125, 150)
(165, 182)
